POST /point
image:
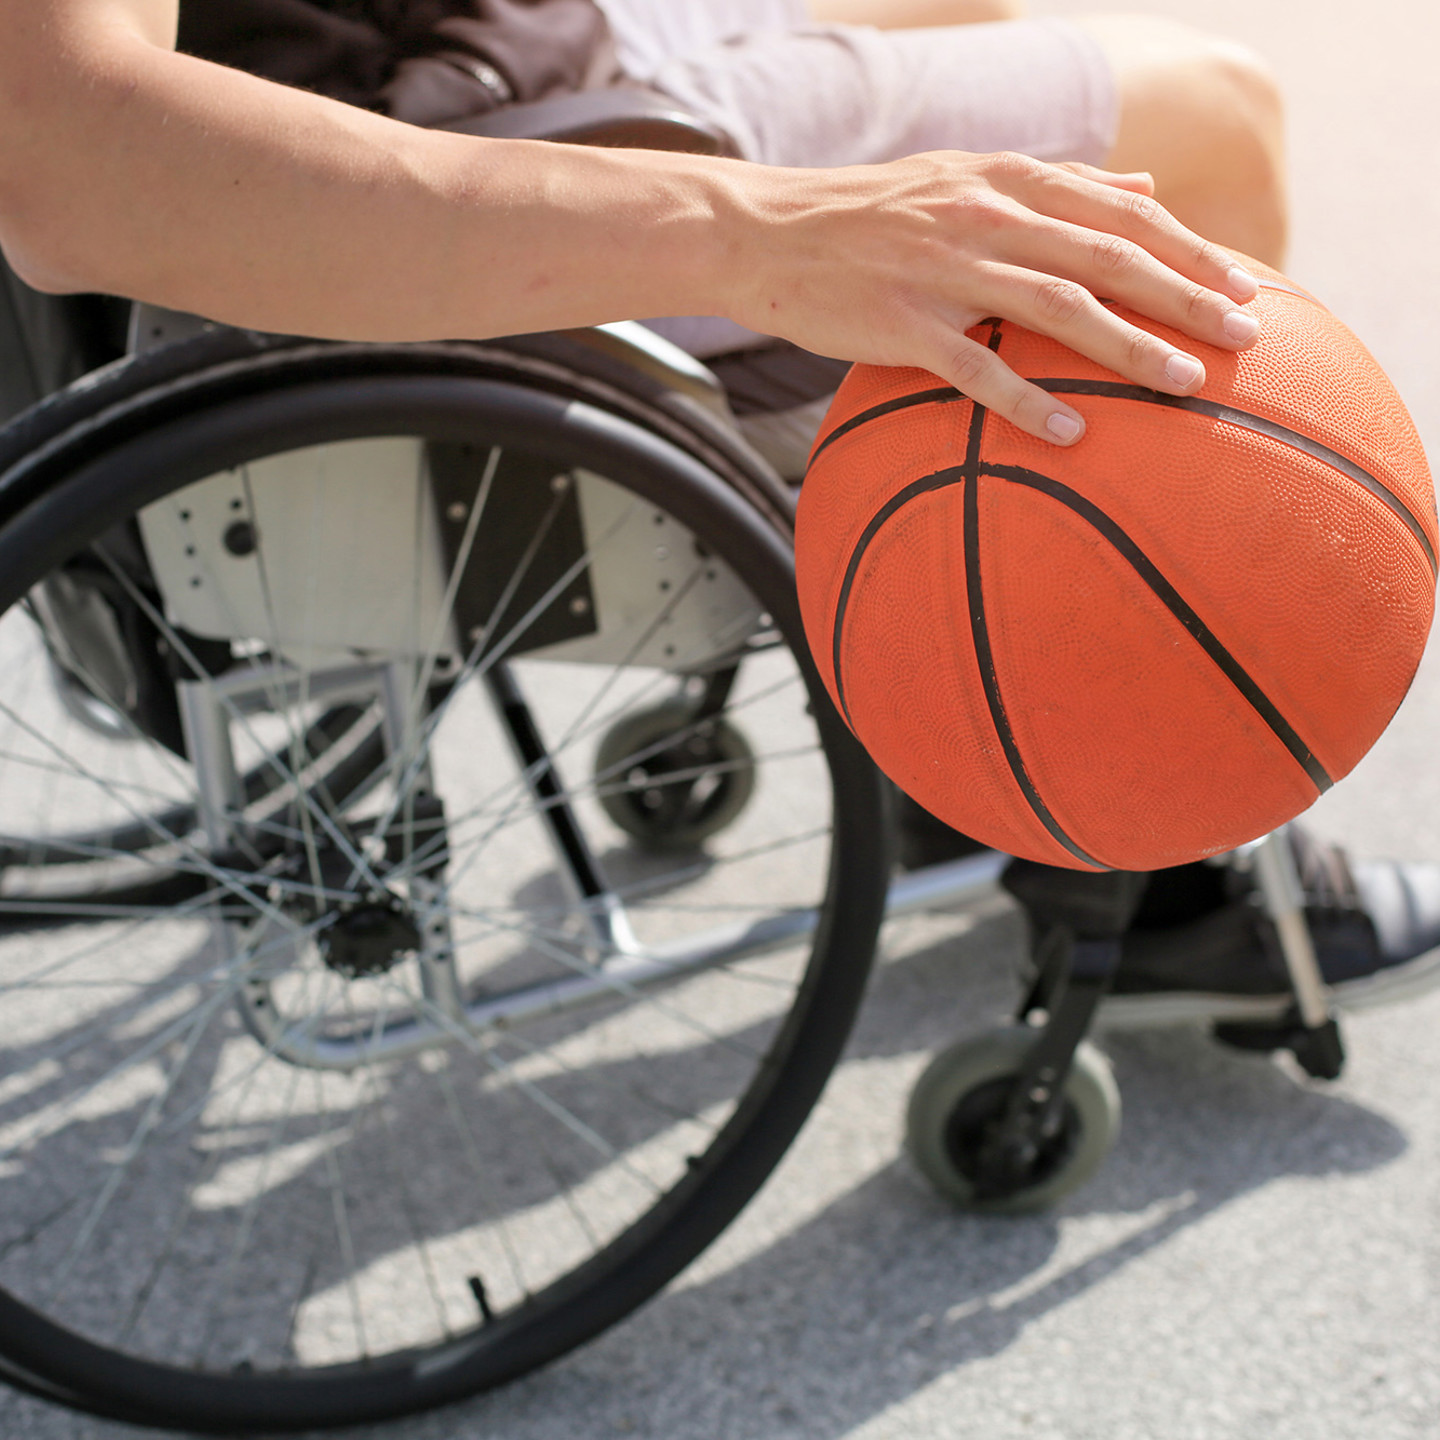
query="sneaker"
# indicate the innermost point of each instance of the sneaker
(1202, 946)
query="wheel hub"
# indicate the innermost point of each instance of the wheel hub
(1004, 1153)
(370, 936)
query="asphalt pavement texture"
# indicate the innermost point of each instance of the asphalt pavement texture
(1260, 1255)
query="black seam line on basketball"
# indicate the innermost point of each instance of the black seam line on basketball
(954, 475)
(980, 634)
(1171, 598)
(941, 395)
(990, 681)
(937, 480)
(980, 640)
(1260, 426)
(1289, 290)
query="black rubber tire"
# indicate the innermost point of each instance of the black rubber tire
(965, 1084)
(117, 444)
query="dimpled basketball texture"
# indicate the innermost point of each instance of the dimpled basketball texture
(1142, 650)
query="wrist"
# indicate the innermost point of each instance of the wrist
(750, 252)
(698, 239)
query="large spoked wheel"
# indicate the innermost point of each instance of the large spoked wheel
(426, 1073)
(959, 1101)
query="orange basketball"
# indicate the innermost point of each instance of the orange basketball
(1142, 650)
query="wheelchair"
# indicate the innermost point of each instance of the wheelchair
(435, 885)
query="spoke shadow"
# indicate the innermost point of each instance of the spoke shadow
(881, 1289)
(884, 1289)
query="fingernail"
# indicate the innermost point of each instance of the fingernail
(1243, 285)
(1241, 327)
(1063, 427)
(1183, 370)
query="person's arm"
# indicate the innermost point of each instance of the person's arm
(130, 169)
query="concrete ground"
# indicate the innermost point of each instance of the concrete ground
(1261, 1254)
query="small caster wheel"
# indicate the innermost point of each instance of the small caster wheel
(711, 758)
(956, 1104)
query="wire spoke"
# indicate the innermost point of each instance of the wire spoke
(570, 1121)
(120, 1169)
(506, 799)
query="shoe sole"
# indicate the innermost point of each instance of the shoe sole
(1390, 986)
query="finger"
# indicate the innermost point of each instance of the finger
(1140, 181)
(1119, 269)
(976, 371)
(1067, 311)
(1064, 195)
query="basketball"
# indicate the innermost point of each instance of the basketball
(1146, 648)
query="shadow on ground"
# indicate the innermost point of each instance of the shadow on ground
(884, 1289)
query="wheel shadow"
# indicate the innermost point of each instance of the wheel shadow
(883, 1289)
(378, 1156)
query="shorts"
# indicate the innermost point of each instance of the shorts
(790, 92)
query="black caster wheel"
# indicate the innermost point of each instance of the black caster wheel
(670, 781)
(958, 1101)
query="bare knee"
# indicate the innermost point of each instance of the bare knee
(1245, 109)
(1180, 87)
(1204, 115)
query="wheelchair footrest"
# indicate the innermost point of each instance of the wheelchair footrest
(1318, 1050)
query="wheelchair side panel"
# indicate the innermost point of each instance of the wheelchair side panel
(641, 558)
(335, 553)
(325, 554)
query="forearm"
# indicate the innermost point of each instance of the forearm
(129, 169)
(162, 177)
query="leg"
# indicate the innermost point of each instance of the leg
(1200, 112)
(909, 14)
(1203, 115)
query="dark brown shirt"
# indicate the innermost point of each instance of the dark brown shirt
(427, 62)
